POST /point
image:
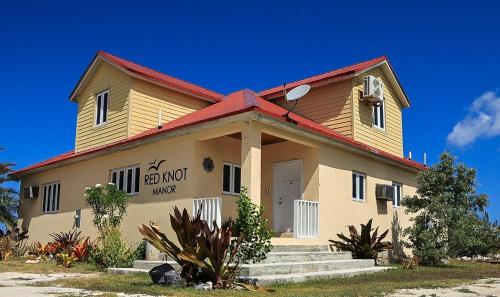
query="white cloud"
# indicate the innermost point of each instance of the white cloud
(482, 121)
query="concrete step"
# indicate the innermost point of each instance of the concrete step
(278, 257)
(301, 248)
(251, 270)
(302, 277)
(148, 265)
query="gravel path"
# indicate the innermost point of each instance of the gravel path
(13, 284)
(485, 287)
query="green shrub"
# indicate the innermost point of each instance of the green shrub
(112, 250)
(252, 227)
(363, 245)
(108, 204)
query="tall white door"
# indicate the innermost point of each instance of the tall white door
(287, 188)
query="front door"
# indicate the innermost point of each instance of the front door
(287, 187)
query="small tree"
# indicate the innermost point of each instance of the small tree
(250, 224)
(449, 216)
(108, 204)
(8, 197)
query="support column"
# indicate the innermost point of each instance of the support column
(251, 160)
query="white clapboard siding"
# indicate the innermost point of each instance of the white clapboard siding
(210, 209)
(306, 219)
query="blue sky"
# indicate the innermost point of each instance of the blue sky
(446, 54)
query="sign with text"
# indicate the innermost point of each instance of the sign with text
(163, 181)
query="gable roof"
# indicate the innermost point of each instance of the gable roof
(147, 74)
(344, 73)
(235, 103)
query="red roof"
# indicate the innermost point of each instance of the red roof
(158, 77)
(349, 70)
(235, 103)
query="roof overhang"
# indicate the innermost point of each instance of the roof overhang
(99, 58)
(336, 76)
(253, 113)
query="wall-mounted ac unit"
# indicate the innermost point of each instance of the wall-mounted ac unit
(31, 192)
(384, 192)
(373, 90)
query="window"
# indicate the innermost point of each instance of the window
(127, 179)
(231, 179)
(396, 201)
(379, 116)
(358, 186)
(101, 108)
(51, 194)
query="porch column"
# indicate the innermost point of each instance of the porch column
(251, 160)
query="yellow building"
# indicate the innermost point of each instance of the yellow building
(336, 159)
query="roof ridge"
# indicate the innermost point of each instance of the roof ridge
(107, 55)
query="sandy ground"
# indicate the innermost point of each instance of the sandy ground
(485, 287)
(13, 284)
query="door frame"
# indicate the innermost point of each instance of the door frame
(276, 165)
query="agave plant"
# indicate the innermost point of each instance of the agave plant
(215, 255)
(186, 228)
(363, 245)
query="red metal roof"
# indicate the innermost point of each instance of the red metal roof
(235, 103)
(349, 70)
(158, 77)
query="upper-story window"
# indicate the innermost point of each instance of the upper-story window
(379, 115)
(51, 195)
(127, 179)
(358, 186)
(101, 115)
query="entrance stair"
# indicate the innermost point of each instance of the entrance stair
(294, 263)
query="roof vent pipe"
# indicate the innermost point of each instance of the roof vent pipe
(159, 119)
(425, 159)
(409, 155)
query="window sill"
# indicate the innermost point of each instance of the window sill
(358, 200)
(50, 212)
(378, 129)
(230, 194)
(100, 126)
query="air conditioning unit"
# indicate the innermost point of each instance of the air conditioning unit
(373, 90)
(31, 192)
(384, 192)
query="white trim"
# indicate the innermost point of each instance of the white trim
(358, 174)
(384, 122)
(232, 166)
(394, 184)
(102, 122)
(125, 178)
(276, 187)
(53, 199)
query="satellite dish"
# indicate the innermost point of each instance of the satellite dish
(297, 92)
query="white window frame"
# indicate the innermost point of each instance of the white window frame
(395, 202)
(231, 178)
(100, 111)
(125, 178)
(51, 200)
(357, 197)
(380, 110)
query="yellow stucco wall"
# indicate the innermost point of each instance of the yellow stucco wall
(106, 77)
(390, 139)
(326, 178)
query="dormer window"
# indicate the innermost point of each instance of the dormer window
(101, 108)
(379, 116)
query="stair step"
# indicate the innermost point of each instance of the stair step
(279, 257)
(252, 270)
(146, 264)
(302, 277)
(301, 248)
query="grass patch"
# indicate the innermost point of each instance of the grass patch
(378, 284)
(18, 265)
(466, 291)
